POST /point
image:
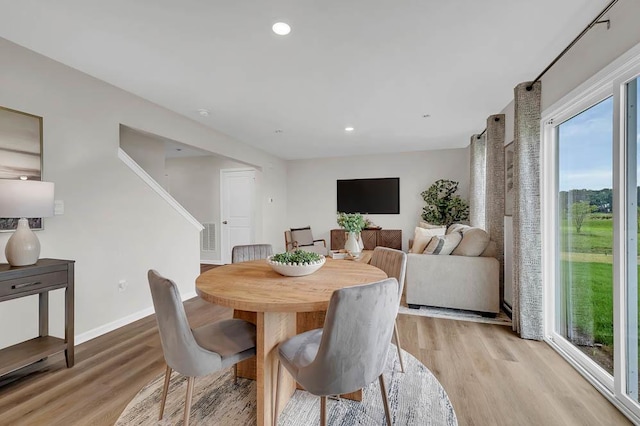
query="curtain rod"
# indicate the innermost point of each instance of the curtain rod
(593, 23)
(566, 49)
(496, 119)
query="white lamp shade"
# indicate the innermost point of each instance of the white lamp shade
(25, 198)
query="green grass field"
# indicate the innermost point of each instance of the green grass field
(588, 284)
(587, 275)
(589, 288)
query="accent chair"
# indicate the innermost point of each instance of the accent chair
(302, 238)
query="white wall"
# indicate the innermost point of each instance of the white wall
(114, 226)
(145, 150)
(311, 186)
(593, 52)
(195, 183)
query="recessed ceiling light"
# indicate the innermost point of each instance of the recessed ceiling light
(23, 178)
(349, 129)
(203, 112)
(281, 28)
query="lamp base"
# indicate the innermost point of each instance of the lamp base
(23, 248)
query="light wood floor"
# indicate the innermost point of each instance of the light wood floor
(492, 377)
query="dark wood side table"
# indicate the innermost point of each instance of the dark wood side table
(371, 238)
(21, 281)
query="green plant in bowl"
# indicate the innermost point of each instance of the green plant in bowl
(299, 257)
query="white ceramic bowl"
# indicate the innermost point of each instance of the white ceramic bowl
(295, 270)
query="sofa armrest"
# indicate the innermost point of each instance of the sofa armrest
(320, 241)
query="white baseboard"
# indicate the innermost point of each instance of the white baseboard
(114, 325)
(211, 262)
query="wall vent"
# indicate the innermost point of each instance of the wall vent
(208, 237)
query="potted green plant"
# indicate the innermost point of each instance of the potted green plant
(353, 223)
(443, 207)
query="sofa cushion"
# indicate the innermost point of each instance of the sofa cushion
(474, 242)
(491, 250)
(422, 237)
(443, 244)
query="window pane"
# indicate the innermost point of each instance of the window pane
(585, 237)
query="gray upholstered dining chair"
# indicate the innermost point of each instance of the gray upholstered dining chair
(197, 352)
(250, 252)
(394, 264)
(350, 351)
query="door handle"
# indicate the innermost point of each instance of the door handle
(224, 222)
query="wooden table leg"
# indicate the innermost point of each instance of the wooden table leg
(69, 329)
(247, 368)
(43, 313)
(272, 328)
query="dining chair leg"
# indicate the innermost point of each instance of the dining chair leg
(277, 401)
(323, 411)
(165, 389)
(396, 337)
(187, 402)
(235, 374)
(385, 400)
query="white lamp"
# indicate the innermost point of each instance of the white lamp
(22, 199)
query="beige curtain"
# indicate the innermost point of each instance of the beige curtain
(478, 188)
(527, 270)
(495, 194)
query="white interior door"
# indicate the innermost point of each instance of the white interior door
(237, 198)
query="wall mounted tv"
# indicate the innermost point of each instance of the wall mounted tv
(369, 196)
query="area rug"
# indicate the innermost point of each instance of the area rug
(415, 397)
(456, 314)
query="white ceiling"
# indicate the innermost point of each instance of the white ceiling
(377, 65)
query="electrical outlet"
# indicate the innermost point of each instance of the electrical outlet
(122, 285)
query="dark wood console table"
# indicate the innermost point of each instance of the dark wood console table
(21, 281)
(371, 238)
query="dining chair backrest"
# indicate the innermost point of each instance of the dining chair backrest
(393, 263)
(249, 252)
(181, 351)
(355, 339)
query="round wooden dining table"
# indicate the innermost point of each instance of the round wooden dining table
(280, 307)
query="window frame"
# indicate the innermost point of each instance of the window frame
(611, 81)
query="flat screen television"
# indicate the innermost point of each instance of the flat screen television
(369, 196)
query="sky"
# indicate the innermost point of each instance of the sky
(585, 144)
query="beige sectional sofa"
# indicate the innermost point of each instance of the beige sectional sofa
(458, 280)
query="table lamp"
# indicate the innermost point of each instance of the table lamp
(21, 199)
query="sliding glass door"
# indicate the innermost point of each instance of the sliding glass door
(584, 296)
(591, 220)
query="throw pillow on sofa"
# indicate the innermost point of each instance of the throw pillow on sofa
(474, 242)
(457, 227)
(443, 244)
(422, 236)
